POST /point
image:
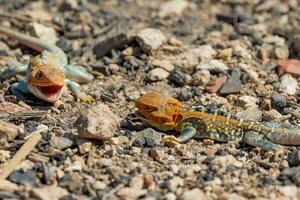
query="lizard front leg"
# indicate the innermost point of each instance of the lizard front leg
(78, 74)
(187, 133)
(255, 139)
(75, 88)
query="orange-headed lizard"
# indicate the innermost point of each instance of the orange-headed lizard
(167, 114)
(47, 73)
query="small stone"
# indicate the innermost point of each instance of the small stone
(185, 95)
(215, 66)
(246, 101)
(289, 67)
(241, 52)
(225, 54)
(97, 123)
(68, 5)
(288, 84)
(169, 196)
(147, 138)
(128, 51)
(174, 41)
(9, 131)
(150, 39)
(136, 182)
(158, 74)
(8, 186)
(251, 114)
(253, 75)
(190, 58)
(49, 193)
(157, 154)
(84, 145)
(23, 177)
(178, 77)
(43, 32)
(281, 52)
(174, 168)
(288, 190)
(11, 107)
(278, 101)
(99, 185)
(214, 85)
(165, 64)
(220, 163)
(131, 193)
(201, 77)
(175, 182)
(294, 158)
(192, 194)
(60, 143)
(272, 115)
(232, 85)
(133, 96)
(262, 54)
(114, 68)
(172, 8)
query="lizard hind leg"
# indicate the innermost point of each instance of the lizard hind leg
(256, 139)
(187, 133)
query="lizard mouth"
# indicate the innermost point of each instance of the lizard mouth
(51, 92)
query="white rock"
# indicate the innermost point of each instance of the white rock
(150, 39)
(247, 101)
(195, 193)
(201, 77)
(45, 33)
(221, 162)
(131, 193)
(216, 66)
(241, 52)
(158, 74)
(288, 190)
(190, 58)
(288, 84)
(175, 182)
(169, 196)
(171, 8)
(49, 193)
(165, 64)
(8, 186)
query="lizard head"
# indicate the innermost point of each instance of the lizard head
(45, 78)
(158, 111)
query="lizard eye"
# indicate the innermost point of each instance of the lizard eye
(39, 75)
(148, 108)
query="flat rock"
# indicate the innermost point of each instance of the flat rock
(98, 123)
(172, 8)
(278, 101)
(24, 177)
(131, 193)
(192, 194)
(11, 107)
(43, 32)
(158, 74)
(147, 138)
(288, 84)
(288, 190)
(150, 39)
(215, 66)
(8, 186)
(232, 85)
(214, 85)
(251, 114)
(247, 101)
(9, 131)
(49, 193)
(165, 64)
(289, 67)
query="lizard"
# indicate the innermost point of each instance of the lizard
(47, 73)
(168, 114)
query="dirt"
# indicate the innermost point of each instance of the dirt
(248, 38)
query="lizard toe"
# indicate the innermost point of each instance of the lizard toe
(86, 99)
(170, 140)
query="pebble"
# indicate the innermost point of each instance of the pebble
(175, 182)
(220, 163)
(60, 143)
(150, 39)
(11, 107)
(289, 67)
(191, 57)
(251, 114)
(8, 186)
(201, 77)
(225, 54)
(215, 66)
(169, 196)
(147, 138)
(272, 115)
(214, 85)
(247, 101)
(185, 95)
(98, 122)
(131, 193)
(288, 190)
(253, 75)
(157, 154)
(84, 146)
(9, 131)
(158, 74)
(278, 101)
(281, 52)
(232, 85)
(241, 52)
(68, 5)
(192, 194)
(172, 8)
(43, 32)
(165, 64)
(134, 95)
(178, 77)
(288, 84)
(23, 177)
(49, 193)
(294, 158)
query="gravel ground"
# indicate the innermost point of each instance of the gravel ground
(219, 54)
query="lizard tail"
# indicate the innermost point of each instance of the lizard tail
(284, 136)
(36, 44)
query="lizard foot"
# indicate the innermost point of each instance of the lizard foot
(170, 140)
(85, 98)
